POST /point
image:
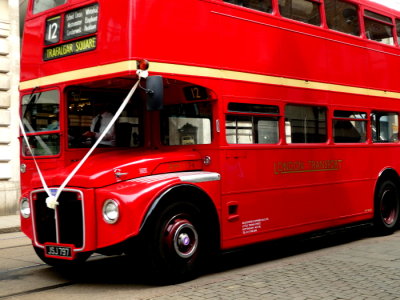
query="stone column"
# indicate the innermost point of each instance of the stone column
(9, 106)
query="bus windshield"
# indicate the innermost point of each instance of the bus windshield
(42, 5)
(91, 109)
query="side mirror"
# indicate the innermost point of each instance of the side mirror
(155, 92)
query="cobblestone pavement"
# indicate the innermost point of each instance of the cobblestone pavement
(347, 268)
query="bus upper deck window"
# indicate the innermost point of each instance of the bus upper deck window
(261, 5)
(42, 5)
(398, 29)
(342, 16)
(378, 28)
(306, 11)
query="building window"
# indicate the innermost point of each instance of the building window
(349, 126)
(305, 124)
(342, 16)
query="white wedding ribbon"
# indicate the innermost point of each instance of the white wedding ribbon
(52, 200)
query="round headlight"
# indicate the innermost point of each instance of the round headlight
(110, 211)
(25, 208)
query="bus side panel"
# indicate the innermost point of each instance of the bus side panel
(286, 191)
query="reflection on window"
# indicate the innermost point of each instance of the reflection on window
(305, 124)
(42, 145)
(256, 124)
(261, 5)
(84, 110)
(342, 16)
(40, 111)
(378, 28)
(186, 124)
(385, 127)
(349, 127)
(42, 5)
(306, 11)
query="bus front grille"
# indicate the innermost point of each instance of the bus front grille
(64, 225)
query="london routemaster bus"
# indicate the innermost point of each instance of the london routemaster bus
(260, 119)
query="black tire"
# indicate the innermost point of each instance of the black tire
(80, 258)
(173, 243)
(387, 206)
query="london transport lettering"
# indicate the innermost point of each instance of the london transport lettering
(287, 167)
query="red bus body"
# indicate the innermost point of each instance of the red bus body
(249, 192)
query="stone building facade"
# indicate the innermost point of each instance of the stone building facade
(9, 106)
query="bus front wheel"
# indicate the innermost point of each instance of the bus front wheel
(387, 207)
(173, 243)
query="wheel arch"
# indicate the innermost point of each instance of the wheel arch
(194, 195)
(386, 174)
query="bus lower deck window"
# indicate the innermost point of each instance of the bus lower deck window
(385, 127)
(349, 126)
(305, 124)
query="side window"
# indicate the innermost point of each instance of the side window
(186, 124)
(261, 5)
(306, 11)
(252, 124)
(349, 126)
(398, 29)
(385, 127)
(378, 28)
(305, 124)
(342, 16)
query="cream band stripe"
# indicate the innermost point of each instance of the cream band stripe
(130, 65)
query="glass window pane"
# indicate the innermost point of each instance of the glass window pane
(385, 127)
(186, 124)
(42, 5)
(377, 31)
(301, 10)
(342, 16)
(42, 145)
(378, 16)
(305, 124)
(352, 130)
(267, 131)
(350, 114)
(253, 108)
(261, 5)
(40, 111)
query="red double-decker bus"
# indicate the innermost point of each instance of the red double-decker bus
(260, 120)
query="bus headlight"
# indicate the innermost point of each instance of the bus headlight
(110, 211)
(25, 208)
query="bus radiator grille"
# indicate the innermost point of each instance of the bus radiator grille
(66, 220)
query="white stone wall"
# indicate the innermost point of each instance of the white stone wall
(9, 104)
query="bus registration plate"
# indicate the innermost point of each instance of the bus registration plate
(58, 251)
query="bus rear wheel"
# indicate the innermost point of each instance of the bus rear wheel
(387, 207)
(173, 243)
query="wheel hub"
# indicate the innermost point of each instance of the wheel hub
(181, 237)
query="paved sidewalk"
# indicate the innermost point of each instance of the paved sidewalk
(9, 223)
